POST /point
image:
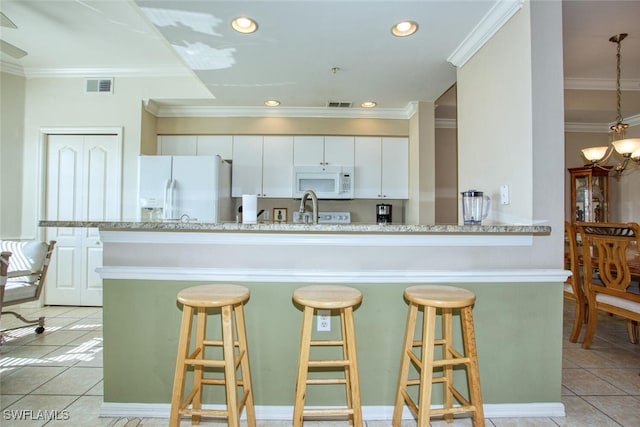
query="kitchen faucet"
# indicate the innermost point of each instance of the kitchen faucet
(314, 202)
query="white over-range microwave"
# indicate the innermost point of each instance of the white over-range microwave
(328, 182)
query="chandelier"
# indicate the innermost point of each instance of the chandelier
(628, 148)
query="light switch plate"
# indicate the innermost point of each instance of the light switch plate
(504, 194)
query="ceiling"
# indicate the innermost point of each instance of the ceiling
(307, 53)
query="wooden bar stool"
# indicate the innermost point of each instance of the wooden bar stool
(328, 297)
(431, 299)
(230, 299)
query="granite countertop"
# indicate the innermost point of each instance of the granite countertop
(302, 228)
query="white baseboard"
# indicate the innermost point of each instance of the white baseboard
(369, 413)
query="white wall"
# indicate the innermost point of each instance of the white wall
(12, 88)
(495, 121)
(61, 102)
(510, 119)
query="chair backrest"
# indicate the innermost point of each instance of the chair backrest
(29, 262)
(574, 265)
(605, 251)
(4, 266)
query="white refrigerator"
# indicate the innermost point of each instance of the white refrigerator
(186, 188)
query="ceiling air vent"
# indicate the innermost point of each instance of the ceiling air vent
(99, 86)
(339, 104)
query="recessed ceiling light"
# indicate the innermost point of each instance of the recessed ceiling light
(271, 103)
(404, 28)
(244, 25)
(368, 104)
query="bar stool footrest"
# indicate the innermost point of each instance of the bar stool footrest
(327, 411)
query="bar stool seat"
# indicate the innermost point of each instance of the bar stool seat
(433, 299)
(230, 300)
(328, 297)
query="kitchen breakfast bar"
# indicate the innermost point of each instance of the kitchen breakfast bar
(518, 310)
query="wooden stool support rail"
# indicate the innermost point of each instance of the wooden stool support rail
(431, 299)
(328, 297)
(230, 300)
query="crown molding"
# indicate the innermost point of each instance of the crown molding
(499, 14)
(586, 127)
(171, 71)
(160, 109)
(599, 127)
(11, 68)
(600, 84)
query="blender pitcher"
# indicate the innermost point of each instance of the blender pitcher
(475, 207)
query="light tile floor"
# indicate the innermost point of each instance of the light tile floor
(58, 377)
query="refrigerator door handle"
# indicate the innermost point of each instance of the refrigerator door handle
(168, 199)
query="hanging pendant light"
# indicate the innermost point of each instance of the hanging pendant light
(629, 148)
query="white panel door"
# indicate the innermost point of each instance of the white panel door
(82, 183)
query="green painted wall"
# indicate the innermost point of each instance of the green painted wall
(518, 330)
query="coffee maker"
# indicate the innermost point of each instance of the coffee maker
(383, 213)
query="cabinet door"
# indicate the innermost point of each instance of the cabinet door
(247, 166)
(277, 166)
(177, 145)
(338, 150)
(395, 168)
(368, 161)
(211, 145)
(308, 150)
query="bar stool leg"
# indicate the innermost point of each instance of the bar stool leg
(247, 387)
(228, 349)
(426, 370)
(473, 371)
(201, 327)
(303, 366)
(404, 364)
(181, 368)
(354, 385)
(447, 383)
(345, 356)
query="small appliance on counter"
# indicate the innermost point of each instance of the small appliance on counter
(383, 213)
(475, 207)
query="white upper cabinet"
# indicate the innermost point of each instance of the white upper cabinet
(246, 170)
(177, 145)
(196, 145)
(395, 168)
(323, 151)
(277, 166)
(262, 166)
(212, 145)
(381, 168)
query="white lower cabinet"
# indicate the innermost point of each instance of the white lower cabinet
(262, 165)
(381, 168)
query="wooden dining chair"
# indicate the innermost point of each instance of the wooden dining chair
(573, 286)
(606, 274)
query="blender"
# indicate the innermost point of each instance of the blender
(475, 207)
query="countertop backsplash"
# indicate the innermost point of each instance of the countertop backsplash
(362, 211)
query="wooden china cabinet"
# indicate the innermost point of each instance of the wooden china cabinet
(590, 193)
